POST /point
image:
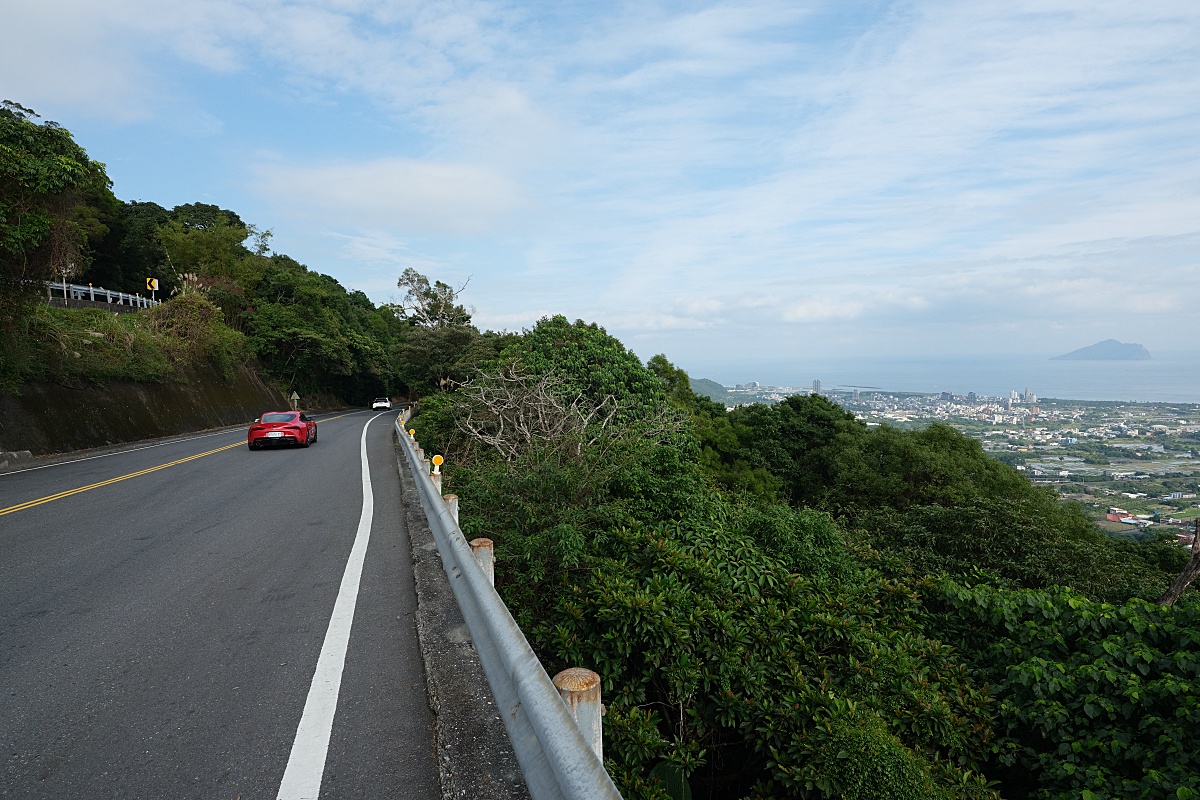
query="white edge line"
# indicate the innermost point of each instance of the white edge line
(133, 450)
(306, 763)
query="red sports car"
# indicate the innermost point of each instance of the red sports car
(282, 427)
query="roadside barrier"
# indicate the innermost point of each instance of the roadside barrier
(75, 291)
(554, 727)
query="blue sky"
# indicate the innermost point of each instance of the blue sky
(721, 182)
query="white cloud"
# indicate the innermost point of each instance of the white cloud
(396, 193)
(994, 165)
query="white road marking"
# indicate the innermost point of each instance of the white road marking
(135, 449)
(120, 452)
(306, 764)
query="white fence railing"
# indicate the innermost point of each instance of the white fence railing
(75, 291)
(557, 760)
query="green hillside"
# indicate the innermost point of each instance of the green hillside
(710, 389)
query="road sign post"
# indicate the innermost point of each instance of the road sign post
(295, 398)
(152, 286)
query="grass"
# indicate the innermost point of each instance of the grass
(79, 346)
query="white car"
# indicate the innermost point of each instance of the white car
(382, 402)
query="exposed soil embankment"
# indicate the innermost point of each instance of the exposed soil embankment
(49, 418)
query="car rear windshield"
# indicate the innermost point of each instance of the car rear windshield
(382, 400)
(278, 417)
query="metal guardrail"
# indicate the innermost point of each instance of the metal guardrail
(75, 291)
(556, 760)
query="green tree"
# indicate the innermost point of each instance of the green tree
(431, 305)
(131, 251)
(44, 223)
(591, 364)
(721, 453)
(798, 440)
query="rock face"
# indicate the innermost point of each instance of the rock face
(48, 418)
(1108, 350)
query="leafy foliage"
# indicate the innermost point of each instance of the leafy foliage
(44, 223)
(58, 218)
(935, 499)
(590, 364)
(750, 648)
(1095, 700)
(739, 643)
(73, 347)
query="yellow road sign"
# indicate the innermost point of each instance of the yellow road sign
(152, 284)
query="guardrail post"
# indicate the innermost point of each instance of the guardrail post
(580, 690)
(451, 501)
(485, 556)
(436, 474)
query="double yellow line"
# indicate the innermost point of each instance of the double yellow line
(60, 495)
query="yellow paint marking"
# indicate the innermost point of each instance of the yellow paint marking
(68, 493)
(339, 416)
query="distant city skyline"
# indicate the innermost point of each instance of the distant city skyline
(1175, 377)
(716, 181)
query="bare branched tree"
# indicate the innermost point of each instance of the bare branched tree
(514, 413)
(1189, 574)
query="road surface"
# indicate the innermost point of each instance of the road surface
(164, 609)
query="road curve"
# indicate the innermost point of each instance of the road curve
(160, 628)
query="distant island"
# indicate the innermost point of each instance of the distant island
(1108, 350)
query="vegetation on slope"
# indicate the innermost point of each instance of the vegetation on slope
(229, 297)
(805, 628)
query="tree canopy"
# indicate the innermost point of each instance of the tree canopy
(45, 225)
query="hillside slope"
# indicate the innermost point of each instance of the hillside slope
(50, 418)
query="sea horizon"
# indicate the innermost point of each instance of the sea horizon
(1172, 377)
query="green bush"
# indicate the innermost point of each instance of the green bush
(73, 346)
(1093, 699)
(195, 333)
(726, 635)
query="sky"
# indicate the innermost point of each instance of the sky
(725, 183)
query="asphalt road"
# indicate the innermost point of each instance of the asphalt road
(159, 633)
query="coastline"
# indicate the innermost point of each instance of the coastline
(1169, 378)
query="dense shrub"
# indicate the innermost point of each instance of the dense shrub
(722, 652)
(196, 334)
(741, 646)
(1095, 700)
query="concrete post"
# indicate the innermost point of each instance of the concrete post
(436, 474)
(452, 504)
(420, 452)
(425, 464)
(485, 555)
(580, 690)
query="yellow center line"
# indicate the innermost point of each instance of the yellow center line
(339, 416)
(60, 495)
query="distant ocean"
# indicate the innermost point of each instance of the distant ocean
(1171, 377)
